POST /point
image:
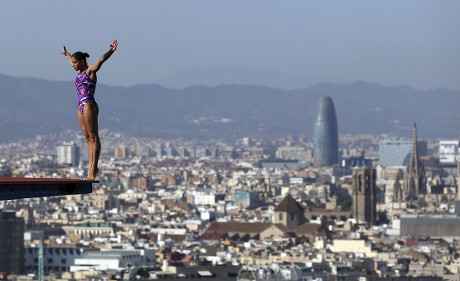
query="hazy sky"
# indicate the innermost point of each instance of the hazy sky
(391, 42)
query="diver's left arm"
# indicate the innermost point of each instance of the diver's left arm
(97, 65)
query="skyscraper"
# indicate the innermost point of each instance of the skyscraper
(325, 134)
(11, 243)
(68, 154)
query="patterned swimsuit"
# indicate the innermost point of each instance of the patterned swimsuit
(85, 90)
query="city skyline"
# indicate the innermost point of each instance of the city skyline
(162, 204)
(239, 139)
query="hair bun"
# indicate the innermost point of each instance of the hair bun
(80, 55)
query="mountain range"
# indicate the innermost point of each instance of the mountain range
(33, 106)
(217, 75)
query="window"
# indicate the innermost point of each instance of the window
(280, 216)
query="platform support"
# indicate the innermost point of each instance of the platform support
(18, 188)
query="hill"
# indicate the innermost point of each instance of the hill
(32, 106)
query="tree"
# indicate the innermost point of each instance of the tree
(346, 205)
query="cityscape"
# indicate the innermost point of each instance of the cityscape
(230, 140)
(323, 207)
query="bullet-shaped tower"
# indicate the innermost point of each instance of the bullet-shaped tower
(325, 134)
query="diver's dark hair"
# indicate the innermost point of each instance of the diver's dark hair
(80, 56)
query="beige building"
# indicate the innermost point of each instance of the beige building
(358, 247)
(88, 230)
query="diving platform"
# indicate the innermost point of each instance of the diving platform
(18, 188)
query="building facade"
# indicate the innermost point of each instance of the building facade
(68, 153)
(397, 153)
(11, 243)
(325, 134)
(289, 213)
(55, 259)
(364, 195)
(449, 152)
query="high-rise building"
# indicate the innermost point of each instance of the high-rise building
(11, 243)
(121, 152)
(68, 153)
(364, 194)
(397, 152)
(325, 134)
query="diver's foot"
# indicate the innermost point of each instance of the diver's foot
(92, 176)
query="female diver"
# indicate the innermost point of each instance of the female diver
(88, 109)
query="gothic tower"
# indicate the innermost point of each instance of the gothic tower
(414, 176)
(364, 194)
(397, 190)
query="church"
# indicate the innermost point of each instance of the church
(288, 222)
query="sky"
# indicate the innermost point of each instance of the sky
(391, 42)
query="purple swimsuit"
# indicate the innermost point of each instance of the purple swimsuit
(85, 90)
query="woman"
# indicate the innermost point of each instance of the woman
(88, 109)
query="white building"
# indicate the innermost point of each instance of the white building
(113, 259)
(68, 153)
(449, 152)
(203, 198)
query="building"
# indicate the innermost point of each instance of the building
(55, 259)
(397, 153)
(293, 153)
(325, 134)
(351, 162)
(414, 177)
(449, 153)
(430, 225)
(364, 195)
(289, 213)
(247, 199)
(68, 153)
(113, 259)
(242, 231)
(88, 229)
(11, 243)
(121, 152)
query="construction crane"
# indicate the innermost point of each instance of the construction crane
(40, 261)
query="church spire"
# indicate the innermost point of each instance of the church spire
(414, 177)
(414, 157)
